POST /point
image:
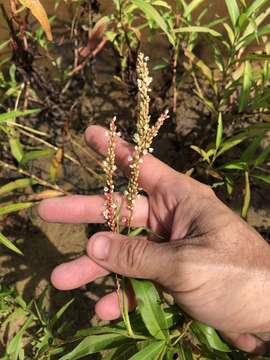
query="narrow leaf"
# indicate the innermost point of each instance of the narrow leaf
(233, 10)
(7, 243)
(13, 114)
(36, 154)
(254, 6)
(200, 64)
(262, 157)
(40, 14)
(95, 343)
(16, 147)
(247, 195)
(264, 178)
(197, 29)
(211, 336)
(219, 131)
(14, 208)
(150, 309)
(247, 83)
(155, 16)
(150, 352)
(251, 149)
(234, 165)
(191, 7)
(17, 184)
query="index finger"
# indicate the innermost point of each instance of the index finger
(152, 170)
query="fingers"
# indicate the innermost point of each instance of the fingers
(79, 209)
(76, 273)
(245, 342)
(107, 308)
(132, 257)
(152, 170)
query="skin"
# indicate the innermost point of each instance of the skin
(214, 264)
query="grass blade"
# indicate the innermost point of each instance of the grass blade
(247, 196)
(13, 114)
(264, 178)
(197, 29)
(219, 131)
(7, 243)
(254, 6)
(17, 184)
(154, 15)
(233, 10)
(95, 343)
(150, 352)
(262, 157)
(191, 7)
(247, 83)
(14, 208)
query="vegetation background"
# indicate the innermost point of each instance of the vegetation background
(210, 62)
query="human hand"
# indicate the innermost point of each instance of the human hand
(213, 263)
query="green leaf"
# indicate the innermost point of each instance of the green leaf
(16, 147)
(200, 64)
(254, 6)
(210, 335)
(150, 352)
(197, 29)
(230, 33)
(15, 345)
(264, 178)
(219, 131)
(14, 208)
(262, 157)
(233, 10)
(234, 165)
(17, 184)
(13, 114)
(247, 196)
(251, 149)
(232, 142)
(255, 23)
(95, 343)
(155, 16)
(123, 352)
(245, 41)
(36, 154)
(60, 313)
(150, 308)
(262, 100)
(247, 83)
(7, 243)
(184, 351)
(191, 7)
(201, 152)
(229, 184)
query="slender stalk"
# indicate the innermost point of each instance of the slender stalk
(67, 156)
(34, 177)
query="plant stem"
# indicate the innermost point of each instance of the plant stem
(34, 177)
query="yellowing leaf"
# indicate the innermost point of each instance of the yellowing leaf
(40, 14)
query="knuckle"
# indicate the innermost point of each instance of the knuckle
(132, 253)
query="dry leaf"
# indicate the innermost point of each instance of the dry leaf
(40, 14)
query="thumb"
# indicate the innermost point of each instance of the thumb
(132, 256)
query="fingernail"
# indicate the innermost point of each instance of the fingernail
(100, 247)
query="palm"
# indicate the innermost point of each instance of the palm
(209, 242)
